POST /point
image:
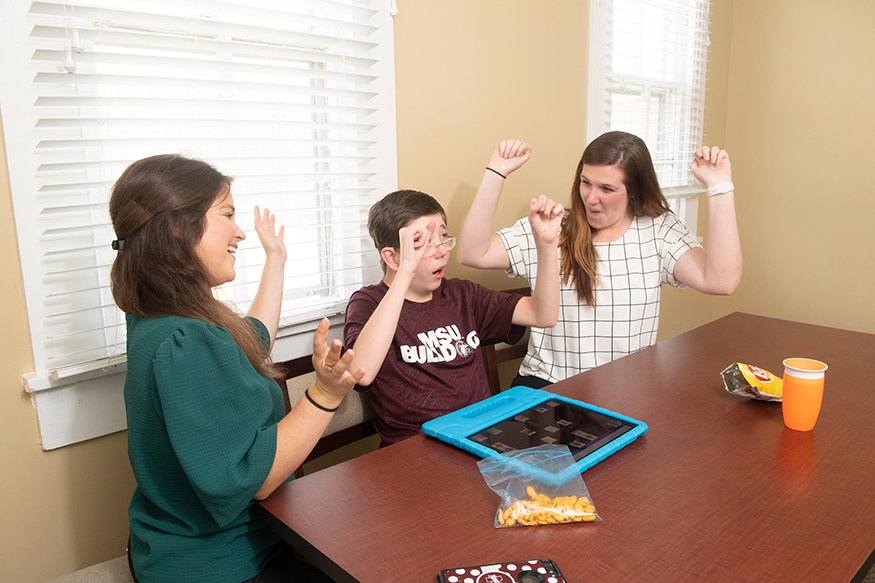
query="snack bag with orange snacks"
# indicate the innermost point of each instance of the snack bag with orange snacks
(527, 502)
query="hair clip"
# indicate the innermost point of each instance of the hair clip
(118, 244)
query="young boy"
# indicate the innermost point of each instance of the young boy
(417, 334)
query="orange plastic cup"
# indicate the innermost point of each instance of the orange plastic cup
(803, 392)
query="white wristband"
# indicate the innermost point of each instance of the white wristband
(721, 188)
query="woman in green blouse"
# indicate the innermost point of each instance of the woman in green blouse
(207, 434)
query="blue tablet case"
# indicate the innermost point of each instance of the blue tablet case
(456, 428)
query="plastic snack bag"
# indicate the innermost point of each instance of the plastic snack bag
(751, 381)
(527, 501)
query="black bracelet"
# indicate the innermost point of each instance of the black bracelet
(497, 172)
(317, 405)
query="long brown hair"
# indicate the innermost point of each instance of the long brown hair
(158, 209)
(629, 154)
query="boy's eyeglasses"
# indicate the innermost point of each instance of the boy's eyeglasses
(446, 245)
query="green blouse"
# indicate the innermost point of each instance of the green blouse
(202, 430)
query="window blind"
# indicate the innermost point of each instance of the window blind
(648, 77)
(293, 99)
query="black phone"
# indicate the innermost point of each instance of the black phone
(543, 571)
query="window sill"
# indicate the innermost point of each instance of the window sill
(75, 407)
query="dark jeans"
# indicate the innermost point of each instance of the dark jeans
(283, 568)
(527, 381)
(287, 567)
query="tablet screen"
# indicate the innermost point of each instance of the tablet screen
(553, 422)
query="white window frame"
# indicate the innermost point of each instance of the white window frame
(687, 118)
(81, 401)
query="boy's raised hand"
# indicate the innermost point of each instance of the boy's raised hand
(415, 240)
(545, 218)
(509, 156)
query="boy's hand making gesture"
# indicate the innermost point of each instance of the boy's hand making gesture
(415, 239)
(402, 268)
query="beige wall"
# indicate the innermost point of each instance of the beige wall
(685, 309)
(787, 95)
(64, 509)
(470, 74)
(799, 125)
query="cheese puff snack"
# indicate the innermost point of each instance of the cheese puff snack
(525, 501)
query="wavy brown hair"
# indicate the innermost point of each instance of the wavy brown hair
(629, 154)
(158, 208)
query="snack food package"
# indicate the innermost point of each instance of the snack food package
(751, 381)
(525, 501)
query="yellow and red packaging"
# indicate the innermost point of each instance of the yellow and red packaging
(751, 381)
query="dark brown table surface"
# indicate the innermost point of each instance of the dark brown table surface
(717, 490)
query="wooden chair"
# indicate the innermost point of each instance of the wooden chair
(494, 354)
(501, 352)
(352, 422)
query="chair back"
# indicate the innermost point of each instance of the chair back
(493, 354)
(352, 422)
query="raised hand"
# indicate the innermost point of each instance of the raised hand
(271, 239)
(711, 166)
(545, 218)
(415, 240)
(509, 156)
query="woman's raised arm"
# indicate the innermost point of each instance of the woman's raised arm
(478, 245)
(718, 270)
(268, 299)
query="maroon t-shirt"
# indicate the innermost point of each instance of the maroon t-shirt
(434, 365)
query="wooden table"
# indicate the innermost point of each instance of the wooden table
(718, 490)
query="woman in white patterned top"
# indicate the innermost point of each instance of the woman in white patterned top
(619, 244)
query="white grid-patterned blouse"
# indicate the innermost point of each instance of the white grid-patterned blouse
(625, 318)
